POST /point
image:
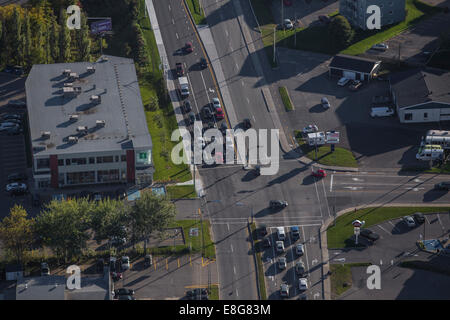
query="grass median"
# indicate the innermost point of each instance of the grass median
(339, 236)
(285, 98)
(197, 11)
(258, 245)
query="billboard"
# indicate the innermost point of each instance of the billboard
(332, 137)
(101, 26)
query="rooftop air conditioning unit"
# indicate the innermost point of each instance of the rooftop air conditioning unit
(100, 123)
(66, 72)
(90, 69)
(96, 99)
(73, 75)
(73, 139)
(73, 117)
(68, 84)
(45, 134)
(82, 128)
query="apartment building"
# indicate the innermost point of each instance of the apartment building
(87, 124)
(392, 11)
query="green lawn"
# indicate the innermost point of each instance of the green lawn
(261, 278)
(285, 98)
(181, 192)
(341, 277)
(339, 236)
(214, 292)
(197, 11)
(196, 242)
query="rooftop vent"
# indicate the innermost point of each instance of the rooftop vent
(45, 134)
(73, 75)
(90, 69)
(73, 139)
(68, 84)
(96, 99)
(73, 117)
(100, 123)
(66, 72)
(82, 128)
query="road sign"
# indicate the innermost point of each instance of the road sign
(101, 26)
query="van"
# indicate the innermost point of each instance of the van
(381, 112)
(280, 233)
(430, 152)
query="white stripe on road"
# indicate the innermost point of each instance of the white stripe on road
(318, 198)
(326, 200)
(231, 247)
(331, 183)
(384, 229)
(440, 222)
(234, 269)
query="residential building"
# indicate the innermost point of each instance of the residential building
(352, 67)
(421, 95)
(87, 124)
(392, 11)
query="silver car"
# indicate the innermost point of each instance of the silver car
(325, 103)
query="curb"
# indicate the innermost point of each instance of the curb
(323, 236)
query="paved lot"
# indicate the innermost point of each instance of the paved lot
(396, 244)
(307, 11)
(168, 277)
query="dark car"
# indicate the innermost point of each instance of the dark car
(267, 243)
(325, 19)
(192, 117)
(123, 297)
(14, 130)
(18, 70)
(188, 47)
(100, 265)
(148, 260)
(369, 234)
(8, 69)
(14, 177)
(247, 124)
(419, 217)
(257, 171)
(444, 185)
(355, 85)
(179, 68)
(203, 63)
(263, 231)
(187, 106)
(278, 204)
(197, 294)
(206, 113)
(11, 116)
(123, 292)
(223, 127)
(116, 276)
(36, 200)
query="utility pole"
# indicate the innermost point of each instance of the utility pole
(295, 29)
(274, 53)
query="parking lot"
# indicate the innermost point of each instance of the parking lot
(397, 243)
(275, 276)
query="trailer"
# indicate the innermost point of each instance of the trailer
(437, 137)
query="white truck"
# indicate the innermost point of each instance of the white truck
(184, 86)
(430, 152)
(316, 138)
(437, 137)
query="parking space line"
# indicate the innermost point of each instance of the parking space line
(383, 229)
(440, 222)
(395, 228)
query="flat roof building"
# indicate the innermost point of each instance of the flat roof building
(87, 124)
(352, 67)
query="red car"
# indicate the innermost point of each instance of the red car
(319, 173)
(219, 114)
(287, 3)
(188, 47)
(180, 70)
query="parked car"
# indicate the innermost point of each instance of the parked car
(284, 290)
(123, 292)
(299, 250)
(117, 241)
(179, 68)
(295, 232)
(380, 46)
(116, 276)
(11, 116)
(369, 234)
(343, 81)
(197, 294)
(419, 217)
(188, 47)
(310, 128)
(444, 185)
(409, 221)
(325, 19)
(187, 106)
(148, 260)
(17, 176)
(257, 170)
(381, 112)
(8, 69)
(302, 284)
(287, 24)
(17, 103)
(12, 131)
(125, 263)
(219, 114)
(325, 103)
(223, 127)
(18, 70)
(355, 85)
(247, 124)
(16, 187)
(280, 246)
(203, 63)
(300, 268)
(278, 204)
(4, 126)
(319, 173)
(282, 263)
(45, 270)
(267, 243)
(192, 117)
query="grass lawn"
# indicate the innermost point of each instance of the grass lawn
(214, 292)
(339, 236)
(341, 277)
(181, 192)
(261, 279)
(197, 11)
(340, 157)
(161, 119)
(286, 99)
(196, 242)
(445, 168)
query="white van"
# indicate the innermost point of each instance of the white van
(381, 112)
(430, 152)
(281, 234)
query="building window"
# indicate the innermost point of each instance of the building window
(91, 160)
(123, 158)
(425, 115)
(67, 162)
(144, 157)
(43, 163)
(79, 161)
(43, 183)
(408, 116)
(116, 159)
(108, 175)
(81, 177)
(106, 159)
(60, 162)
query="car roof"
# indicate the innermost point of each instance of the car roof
(294, 228)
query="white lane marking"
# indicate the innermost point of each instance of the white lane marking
(353, 188)
(248, 100)
(383, 229)
(340, 260)
(226, 32)
(440, 222)
(357, 179)
(331, 183)
(176, 34)
(231, 248)
(170, 9)
(234, 269)
(237, 293)
(173, 21)
(237, 67)
(242, 82)
(318, 198)
(204, 85)
(326, 200)
(228, 226)
(414, 189)
(193, 94)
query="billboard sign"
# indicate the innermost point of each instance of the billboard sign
(101, 26)
(332, 137)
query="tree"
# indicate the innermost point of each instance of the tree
(16, 232)
(54, 42)
(64, 38)
(15, 37)
(109, 219)
(27, 42)
(63, 226)
(341, 33)
(150, 213)
(83, 43)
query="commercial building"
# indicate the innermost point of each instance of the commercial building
(87, 124)
(392, 11)
(352, 67)
(421, 95)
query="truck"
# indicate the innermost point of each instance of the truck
(430, 152)
(316, 138)
(184, 87)
(437, 137)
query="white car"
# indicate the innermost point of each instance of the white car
(280, 246)
(16, 186)
(380, 46)
(216, 103)
(125, 263)
(302, 284)
(310, 128)
(325, 103)
(343, 81)
(17, 103)
(409, 221)
(284, 290)
(299, 250)
(6, 125)
(381, 112)
(287, 23)
(282, 263)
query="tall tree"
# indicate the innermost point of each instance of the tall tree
(27, 41)
(16, 232)
(109, 219)
(15, 43)
(341, 33)
(63, 226)
(54, 42)
(64, 38)
(83, 43)
(150, 213)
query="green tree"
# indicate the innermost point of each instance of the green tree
(109, 219)
(83, 43)
(341, 33)
(15, 38)
(150, 213)
(63, 226)
(27, 41)
(64, 38)
(54, 42)
(16, 232)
